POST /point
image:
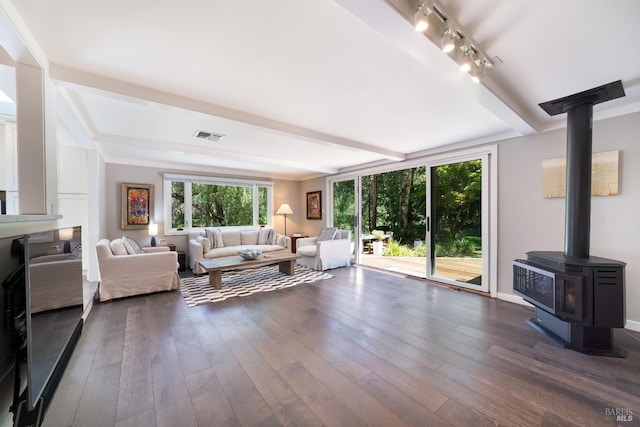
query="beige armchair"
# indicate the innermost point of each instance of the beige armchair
(325, 254)
(135, 274)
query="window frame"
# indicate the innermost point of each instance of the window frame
(168, 178)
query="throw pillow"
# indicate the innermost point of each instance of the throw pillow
(209, 233)
(281, 240)
(231, 238)
(217, 241)
(75, 253)
(270, 239)
(205, 242)
(132, 246)
(249, 237)
(327, 233)
(263, 236)
(117, 247)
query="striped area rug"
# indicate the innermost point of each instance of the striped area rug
(196, 290)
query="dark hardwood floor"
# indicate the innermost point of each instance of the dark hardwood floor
(363, 348)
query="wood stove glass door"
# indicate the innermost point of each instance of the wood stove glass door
(457, 227)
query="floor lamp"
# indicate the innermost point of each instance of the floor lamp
(285, 210)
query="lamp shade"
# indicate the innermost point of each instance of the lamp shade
(284, 209)
(153, 232)
(66, 233)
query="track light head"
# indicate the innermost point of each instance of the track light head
(477, 71)
(468, 58)
(466, 65)
(480, 67)
(421, 17)
(448, 39)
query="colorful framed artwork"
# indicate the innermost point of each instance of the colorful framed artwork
(314, 205)
(137, 205)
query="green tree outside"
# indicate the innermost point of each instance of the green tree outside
(216, 205)
(396, 201)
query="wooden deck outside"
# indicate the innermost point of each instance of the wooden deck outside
(464, 269)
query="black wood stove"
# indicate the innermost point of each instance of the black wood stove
(579, 298)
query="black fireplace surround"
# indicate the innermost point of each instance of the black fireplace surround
(579, 298)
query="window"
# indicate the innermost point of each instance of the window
(201, 201)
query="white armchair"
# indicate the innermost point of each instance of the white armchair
(325, 254)
(126, 275)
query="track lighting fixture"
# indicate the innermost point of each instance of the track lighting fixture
(437, 25)
(421, 17)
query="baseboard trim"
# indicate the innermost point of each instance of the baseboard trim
(632, 325)
(513, 298)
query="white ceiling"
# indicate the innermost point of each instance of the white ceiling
(302, 88)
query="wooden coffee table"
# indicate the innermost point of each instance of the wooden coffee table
(285, 260)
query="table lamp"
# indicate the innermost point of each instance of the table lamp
(153, 232)
(66, 235)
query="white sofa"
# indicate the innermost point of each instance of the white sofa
(223, 242)
(325, 252)
(128, 274)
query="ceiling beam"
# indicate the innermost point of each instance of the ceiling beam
(110, 87)
(16, 39)
(72, 107)
(216, 154)
(389, 18)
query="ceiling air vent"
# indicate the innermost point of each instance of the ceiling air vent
(209, 136)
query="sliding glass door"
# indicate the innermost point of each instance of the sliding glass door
(457, 223)
(394, 221)
(344, 211)
(434, 218)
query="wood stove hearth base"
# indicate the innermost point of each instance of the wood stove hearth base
(594, 341)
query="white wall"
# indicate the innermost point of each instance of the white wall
(287, 192)
(527, 221)
(72, 185)
(3, 168)
(96, 208)
(72, 202)
(312, 227)
(115, 175)
(9, 167)
(32, 144)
